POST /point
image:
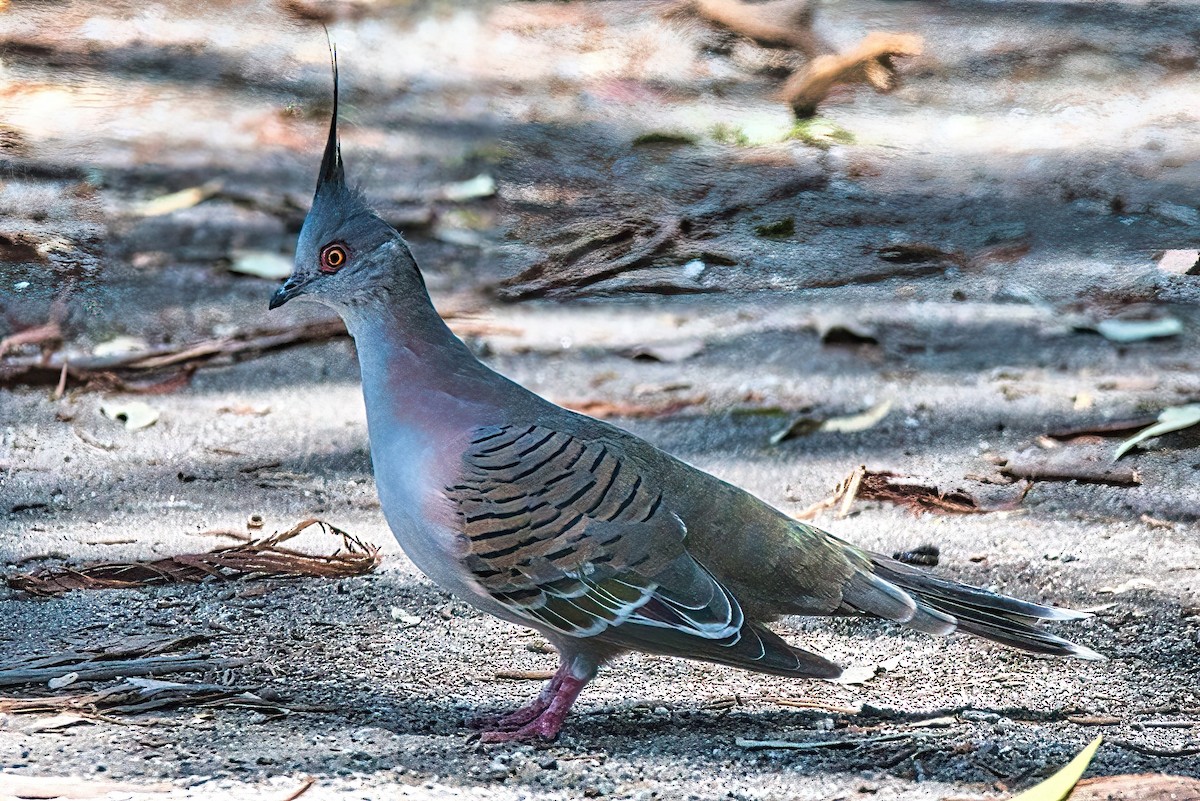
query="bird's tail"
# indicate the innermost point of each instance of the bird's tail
(895, 591)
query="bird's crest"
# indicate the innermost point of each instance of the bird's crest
(332, 174)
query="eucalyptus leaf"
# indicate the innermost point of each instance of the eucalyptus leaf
(1060, 784)
(1174, 418)
(1124, 331)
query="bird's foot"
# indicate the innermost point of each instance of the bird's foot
(513, 720)
(543, 724)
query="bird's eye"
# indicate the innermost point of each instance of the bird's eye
(333, 257)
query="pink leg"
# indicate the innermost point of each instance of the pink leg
(520, 717)
(546, 723)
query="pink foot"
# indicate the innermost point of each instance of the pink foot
(547, 723)
(519, 717)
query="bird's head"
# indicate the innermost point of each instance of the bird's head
(346, 253)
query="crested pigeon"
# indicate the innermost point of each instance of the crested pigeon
(575, 528)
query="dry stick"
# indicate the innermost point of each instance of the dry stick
(868, 61)
(521, 287)
(189, 356)
(782, 23)
(166, 663)
(524, 675)
(47, 332)
(1049, 469)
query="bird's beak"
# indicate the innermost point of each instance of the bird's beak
(289, 290)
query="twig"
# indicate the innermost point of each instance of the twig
(869, 61)
(781, 23)
(524, 675)
(1156, 752)
(852, 491)
(165, 663)
(38, 335)
(309, 782)
(805, 703)
(1060, 466)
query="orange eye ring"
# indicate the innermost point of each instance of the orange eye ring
(333, 257)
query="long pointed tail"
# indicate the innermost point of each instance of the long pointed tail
(895, 591)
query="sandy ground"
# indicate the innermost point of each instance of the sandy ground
(1048, 151)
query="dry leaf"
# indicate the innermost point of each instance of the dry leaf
(912, 493)
(59, 682)
(56, 723)
(480, 186)
(666, 352)
(1060, 784)
(857, 674)
(120, 345)
(135, 415)
(1125, 331)
(177, 201)
(603, 409)
(1180, 262)
(1174, 418)
(261, 264)
(849, 424)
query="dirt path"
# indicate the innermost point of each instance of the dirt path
(960, 238)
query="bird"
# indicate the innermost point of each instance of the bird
(578, 529)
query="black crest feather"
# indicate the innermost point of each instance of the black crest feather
(332, 174)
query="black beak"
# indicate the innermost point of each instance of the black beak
(285, 293)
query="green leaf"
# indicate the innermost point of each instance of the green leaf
(1174, 418)
(1060, 784)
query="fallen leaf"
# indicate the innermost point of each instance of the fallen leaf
(1174, 418)
(59, 682)
(603, 409)
(666, 352)
(1180, 262)
(1138, 583)
(849, 424)
(857, 674)
(480, 186)
(57, 723)
(915, 494)
(177, 201)
(923, 555)
(135, 415)
(1125, 331)
(400, 616)
(1060, 784)
(245, 410)
(120, 345)
(845, 332)
(917, 253)
(261, 264)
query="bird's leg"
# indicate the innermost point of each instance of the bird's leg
(544, 717)
(537, 706)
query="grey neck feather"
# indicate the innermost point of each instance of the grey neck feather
(416, 373)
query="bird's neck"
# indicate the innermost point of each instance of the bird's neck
(416, 374)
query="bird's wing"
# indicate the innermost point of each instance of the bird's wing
(572, 535)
